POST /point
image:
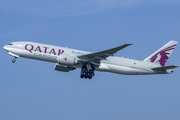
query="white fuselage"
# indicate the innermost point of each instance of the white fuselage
(51, 53)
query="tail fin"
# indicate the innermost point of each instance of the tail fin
(162, 55)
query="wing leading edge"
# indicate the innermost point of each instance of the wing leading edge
(95, 58)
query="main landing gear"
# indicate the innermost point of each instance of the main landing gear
(87, 71)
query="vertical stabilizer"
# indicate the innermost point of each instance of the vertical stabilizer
(162, 55)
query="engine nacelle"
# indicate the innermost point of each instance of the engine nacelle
(67, 60)
(62, 68)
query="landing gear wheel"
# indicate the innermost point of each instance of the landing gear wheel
(90, 77)
(91, 72)
(14, 60)
(85, 74)
(82, 76)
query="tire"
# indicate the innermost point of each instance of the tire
(82, 76)
(85, 74)
(13, 61)
(90, 77)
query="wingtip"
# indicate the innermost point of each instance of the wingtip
(129, 44)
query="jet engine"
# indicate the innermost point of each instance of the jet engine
(63, 68)
(67, 60)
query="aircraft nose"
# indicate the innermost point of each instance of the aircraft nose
(5, 47)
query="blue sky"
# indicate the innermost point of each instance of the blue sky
(31, 89)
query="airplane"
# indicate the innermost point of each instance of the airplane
(67, 59)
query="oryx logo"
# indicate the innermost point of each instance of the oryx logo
(65, 59)
(163, 55)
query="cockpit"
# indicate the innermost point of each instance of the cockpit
(10, 44)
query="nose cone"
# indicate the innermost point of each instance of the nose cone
(5, 47)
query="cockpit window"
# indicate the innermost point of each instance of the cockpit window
(10, 44)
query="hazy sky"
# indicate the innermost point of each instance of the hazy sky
(33, 90)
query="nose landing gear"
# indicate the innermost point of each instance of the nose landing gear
(14, 60)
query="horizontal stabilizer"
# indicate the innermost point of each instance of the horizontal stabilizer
(165, 67)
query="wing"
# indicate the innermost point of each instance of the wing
(95, 58)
